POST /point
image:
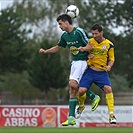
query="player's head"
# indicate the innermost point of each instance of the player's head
(64, 21)
(64, 17)
(97, 32)
(97, 27)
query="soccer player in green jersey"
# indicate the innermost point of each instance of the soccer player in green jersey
(73, 38)
(98, 67)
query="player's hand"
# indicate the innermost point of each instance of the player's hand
(90, 56)
(108, 68)
(42, 51)
(81, 49)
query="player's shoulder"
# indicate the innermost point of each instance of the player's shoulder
(91, 40)
(78, 29)
(109, 42)
(81, 31)
(64, 34)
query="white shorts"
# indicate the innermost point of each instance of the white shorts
(77, 70)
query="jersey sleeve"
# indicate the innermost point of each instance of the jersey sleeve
(62, 42)
(111, 53)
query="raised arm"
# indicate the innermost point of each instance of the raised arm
(51, 50)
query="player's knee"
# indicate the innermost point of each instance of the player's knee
(81, 91)
(73, 84)
(73, 93)
(107, 89)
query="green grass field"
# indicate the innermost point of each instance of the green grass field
(64, 130)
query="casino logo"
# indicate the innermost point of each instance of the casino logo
(48, 117)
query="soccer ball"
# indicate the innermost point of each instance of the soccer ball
(72, 11)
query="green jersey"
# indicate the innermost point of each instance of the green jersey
(76, 38)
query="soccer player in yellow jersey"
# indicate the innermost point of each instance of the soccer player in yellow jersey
(98, 67)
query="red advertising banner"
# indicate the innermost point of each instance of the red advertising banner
(53, 116)
(64, 113)
(28, 116)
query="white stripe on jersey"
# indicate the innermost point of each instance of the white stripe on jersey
(82, 33)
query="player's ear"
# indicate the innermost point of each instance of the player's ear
(101, 32)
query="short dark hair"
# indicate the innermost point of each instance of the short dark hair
(97, 27)
(64, 17)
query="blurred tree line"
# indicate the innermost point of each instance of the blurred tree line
(28, 25)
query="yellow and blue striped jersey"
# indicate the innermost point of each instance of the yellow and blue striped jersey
(102, 52)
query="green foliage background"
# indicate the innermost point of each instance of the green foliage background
(28, 25)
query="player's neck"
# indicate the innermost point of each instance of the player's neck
(70, 28)
(101, 40)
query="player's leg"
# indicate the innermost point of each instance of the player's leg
(77, 69)
(73, 83)
(80, 69)
(104, 83)
(94, 98)
(81, 93)
(81, 107)
(81, 100)
(71, 119)
(72, 103)
(110, 104)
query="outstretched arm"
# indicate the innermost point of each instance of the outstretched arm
(51, 50)
(86, 48)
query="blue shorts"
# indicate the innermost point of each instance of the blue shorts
(100, 78)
